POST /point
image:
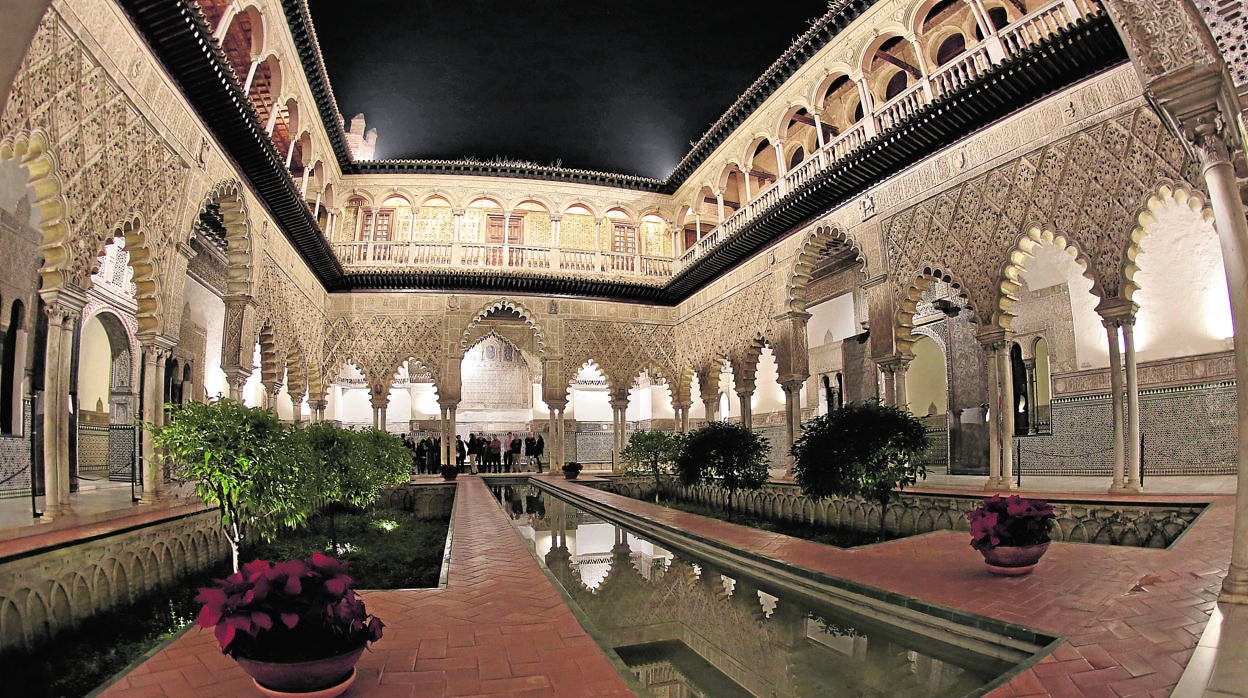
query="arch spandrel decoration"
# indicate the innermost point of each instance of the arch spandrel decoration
(379, 344)
(807, 257)
(620, 350)
(530, 319)
(101, 142)
(1080, 187)
(718, 329)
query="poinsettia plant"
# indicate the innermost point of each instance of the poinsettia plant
(290, 611)
(1010, 521)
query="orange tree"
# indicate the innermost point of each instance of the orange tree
(733, 455)
(865, 449)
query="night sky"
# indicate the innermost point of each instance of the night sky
(620, 87)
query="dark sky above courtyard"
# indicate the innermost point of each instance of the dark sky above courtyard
(613, 86)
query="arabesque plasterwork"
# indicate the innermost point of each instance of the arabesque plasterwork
(1089, 188)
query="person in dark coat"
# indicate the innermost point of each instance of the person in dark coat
(474, 451)
(539, 448)
(530, 445)
(461, 453)
(514, 451)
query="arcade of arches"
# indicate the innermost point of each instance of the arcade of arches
(1048, 292)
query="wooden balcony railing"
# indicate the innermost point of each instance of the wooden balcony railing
(1006, 43)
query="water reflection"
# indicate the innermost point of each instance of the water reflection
(686, 628)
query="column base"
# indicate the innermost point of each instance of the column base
(54, 511)
(1117, 489)
(1133, 489)
(992, 485)
(1235, 586)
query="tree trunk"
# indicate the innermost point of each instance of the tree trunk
(883, 511)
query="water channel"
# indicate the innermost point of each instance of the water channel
(686, 625)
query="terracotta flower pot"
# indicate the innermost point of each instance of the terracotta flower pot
(1013, 560)
(319, 676)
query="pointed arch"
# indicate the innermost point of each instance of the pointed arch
(529, 317)
(907, 302)
(227, 196)
(30, 149)
(823, 238)
(1168, 191)
(1016, 264)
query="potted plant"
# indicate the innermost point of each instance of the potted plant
(449, 472)
(295, 626)
(1012, 533)
(572, 469)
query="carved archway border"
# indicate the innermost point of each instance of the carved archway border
(228, 195)
(908, 301)
(1179, 193)
(1016, 263)
(808, 256)
(30, 149)
(527, 315)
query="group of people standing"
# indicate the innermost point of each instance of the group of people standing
(484, 454)
(489, 454)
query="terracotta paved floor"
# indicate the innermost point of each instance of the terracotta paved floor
(1132, 617)
(498, 628)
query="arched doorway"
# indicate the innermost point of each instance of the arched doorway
(107, 400)
(11, 364)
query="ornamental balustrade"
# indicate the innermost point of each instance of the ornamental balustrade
(1002, 45)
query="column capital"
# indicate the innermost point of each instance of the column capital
(237, 299)
(895, 364)
(1116, 311)
(1206, 134)
(158, 344)
(64, 301)
(798, 315)
(993, 337)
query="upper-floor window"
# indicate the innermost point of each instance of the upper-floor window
(494, 229)
(624, 238)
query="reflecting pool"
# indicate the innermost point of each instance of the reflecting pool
(686, 625)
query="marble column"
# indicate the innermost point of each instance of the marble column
(554, 449)
(155, 351)
(1209, 136)
(619, 410)
(1115, 399)
(745, 396)
(1006, 411)
(64, 308)
(1000, 410)
(792, 411)
(1133, 465)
